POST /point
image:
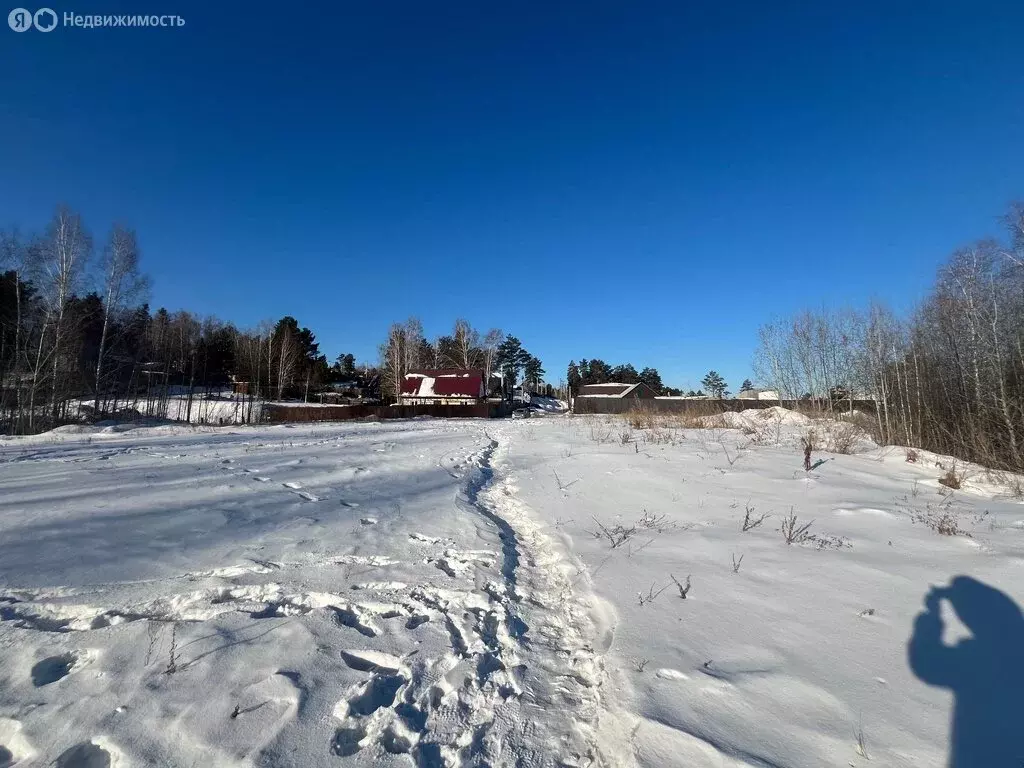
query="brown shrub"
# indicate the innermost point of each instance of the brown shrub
(843, 437)
(952, 478)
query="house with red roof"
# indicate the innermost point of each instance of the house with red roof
(442, 386)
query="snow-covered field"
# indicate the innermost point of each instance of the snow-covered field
(485, 593)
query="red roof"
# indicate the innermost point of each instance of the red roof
(443, 382)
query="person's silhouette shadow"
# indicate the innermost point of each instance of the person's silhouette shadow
(985, 672)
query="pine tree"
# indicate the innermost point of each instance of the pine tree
(747, 384)
(511, 358)
(652, 379)
(624, 374)
(532, 372)
(584, 369)
(715, 384)
(600, 372)
(345, 367)
(573, 376)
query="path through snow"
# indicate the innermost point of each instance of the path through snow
(363, 594)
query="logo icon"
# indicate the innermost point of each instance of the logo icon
(20, 20)
(45, 19)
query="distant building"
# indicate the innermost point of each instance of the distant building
(638, 391)
(757, 394)
(442, 386)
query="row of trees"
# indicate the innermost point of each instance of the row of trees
(597, 371)
(76, 335)
(949, 378)
(497, 355)
(77, 338)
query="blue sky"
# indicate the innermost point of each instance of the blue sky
(643, 182)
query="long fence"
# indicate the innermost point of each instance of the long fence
(275, 413)
(701, 407)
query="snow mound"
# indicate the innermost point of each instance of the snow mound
(72, 429)
(734, 420)
(778, 413)
(757, 418)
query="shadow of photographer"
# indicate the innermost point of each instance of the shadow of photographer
(985, 672)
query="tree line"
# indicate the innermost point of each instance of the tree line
(949, 377)
(597, 371)
(78, 340)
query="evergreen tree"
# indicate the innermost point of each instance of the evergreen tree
(624, 374)
(511, 359)
(652, 379)
(573, 376)
(344, 368)
(427, 355)
(599, 372)
(747, 384)
(447, 353)
(532, 372)
(715, 384)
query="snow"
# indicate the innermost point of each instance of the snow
(215, 407)
(432, 593)
(548, 404)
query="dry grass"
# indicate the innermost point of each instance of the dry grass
(941, 517)
(942, 520)
(843, 437)
(697, 416)
(662, 436)
(643, 418)
(793, 531)
(768, 433)
(750, 522)
(1013, 483)
(953, 479)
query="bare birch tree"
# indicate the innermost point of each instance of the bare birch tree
(62, 257)
(123, 286)
(492, 340)
(466, 344)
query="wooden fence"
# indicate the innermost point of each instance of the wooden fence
(275, 413)
(701, 407)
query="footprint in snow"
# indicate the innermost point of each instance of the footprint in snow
(85, 755)
(372, 661)
(293, 486)
(53, 668)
